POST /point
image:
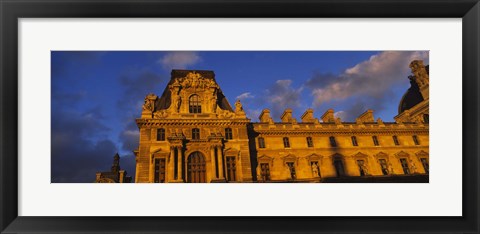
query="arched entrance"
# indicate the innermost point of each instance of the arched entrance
(196, 169)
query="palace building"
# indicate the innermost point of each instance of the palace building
(192, 134)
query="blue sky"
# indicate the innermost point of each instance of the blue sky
(96, 95)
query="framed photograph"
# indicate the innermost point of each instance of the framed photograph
(277, 116)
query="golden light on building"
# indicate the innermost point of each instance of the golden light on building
(192, 134)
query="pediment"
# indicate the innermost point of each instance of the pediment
(265, 158)
(422, 153)
(402, 154)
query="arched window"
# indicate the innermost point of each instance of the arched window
(160, 134)
(194, 104)
(195, 134)
(333, 143)
(228, 134)
(286, 142)
(261, 142)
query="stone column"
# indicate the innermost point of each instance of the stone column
(180, 163)
(220, 162)
(171, 164)
(212, 158)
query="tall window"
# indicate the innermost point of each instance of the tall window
(286, 142)
(195, 134)
(406, 169)
(354, 141)
(333, 143)
(159, 176)
(383, 166)
(309, 142)
(261, 142)
(375, 140)
(194, 104)
(161, 134)
(291, 167)
(424, 164)
(361, 167)
(265, 171)
(339, 167)
(395, 140)
(228, 134)
(415, 140)
(426, 118)
(231, 169)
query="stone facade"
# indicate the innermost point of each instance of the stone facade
(192, 134)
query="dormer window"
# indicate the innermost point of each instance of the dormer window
(194, 104)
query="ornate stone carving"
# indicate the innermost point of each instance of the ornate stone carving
(149, 104)
(419, 72)
(213, 103)
(160, 114)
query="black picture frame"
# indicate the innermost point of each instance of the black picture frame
(11, 11)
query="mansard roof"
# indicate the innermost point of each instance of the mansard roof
(165, 101)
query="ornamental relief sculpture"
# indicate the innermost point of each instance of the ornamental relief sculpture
(149, 102)
(419, 72)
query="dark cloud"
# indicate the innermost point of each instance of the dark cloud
(129, 137)
(359, 106)
(75, 156)
(136, 83)
(281, 96)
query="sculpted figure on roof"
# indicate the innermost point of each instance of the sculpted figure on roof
(419, 72)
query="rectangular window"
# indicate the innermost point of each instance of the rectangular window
(231, 169)
(415, 140)
(354, 141)
(383, 166)
(333, 142)
(228, 134)
(406, 169)
(291, 167)
(375, 140)
(425, 164)
(361, 167)
(261, 142)
(160, 134)
(309, 142)
(159, 176)
(265, 171)
(286, 142)
(395, 140)
(195, 134)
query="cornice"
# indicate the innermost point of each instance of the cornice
(323, 132)
(191, 122)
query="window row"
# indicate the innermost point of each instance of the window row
(333, 141)
(195, 134)
(340, 168)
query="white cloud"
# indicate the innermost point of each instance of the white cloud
(340, 114)
(245, 96)
(373, 78)
(179, 60)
